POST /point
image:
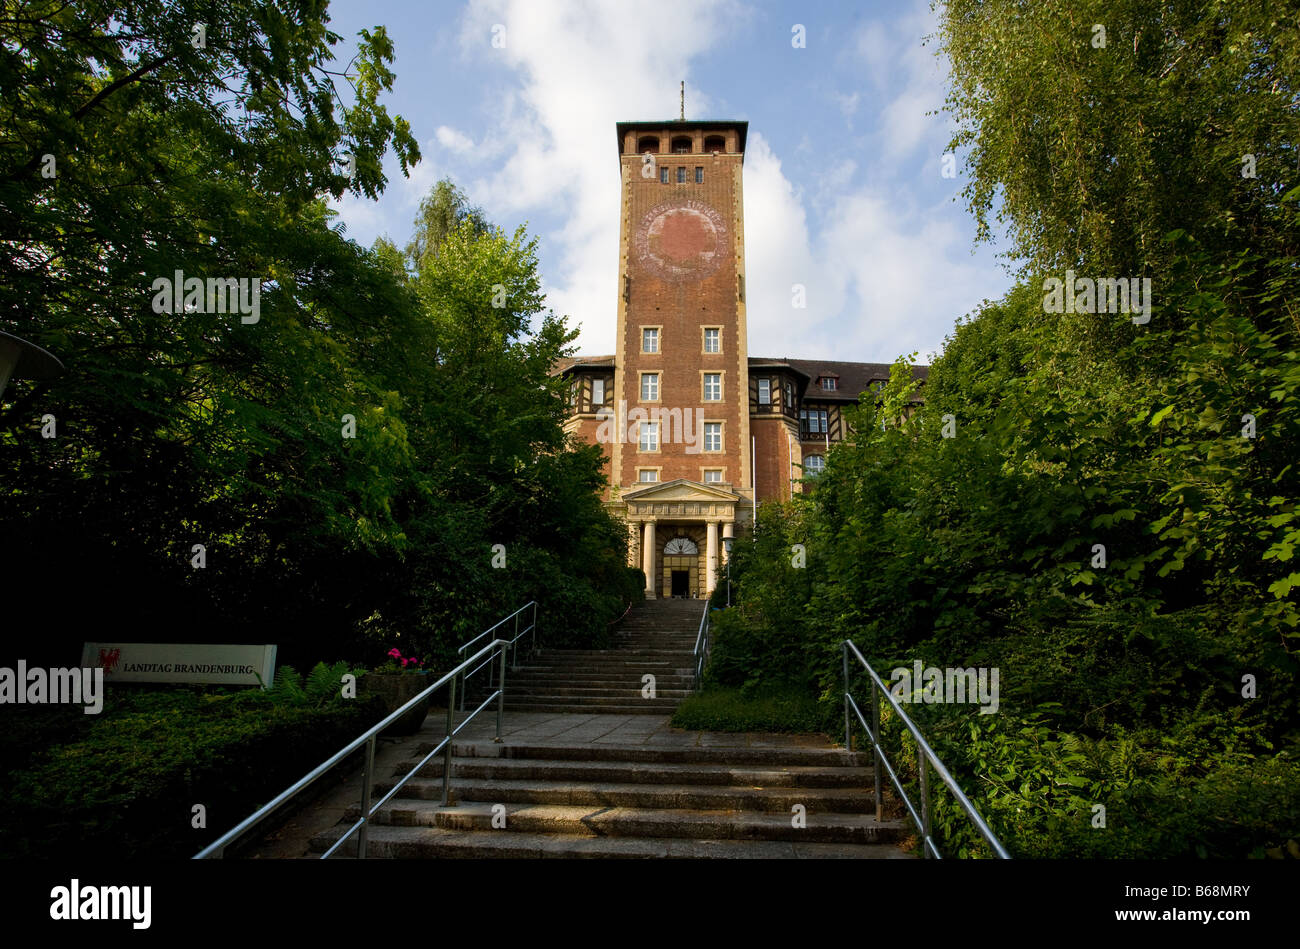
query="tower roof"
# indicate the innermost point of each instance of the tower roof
(742, 128)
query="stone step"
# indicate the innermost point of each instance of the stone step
(577, 676)
(525, 703)
(753, 753)
(623, 655)
(624, 670)
(611, 690)
(437, 842)
(616, 794)
(615, 772)
(635, 822)
(563, 709)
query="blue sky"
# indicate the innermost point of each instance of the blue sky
(843, 186)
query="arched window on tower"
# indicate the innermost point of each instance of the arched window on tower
(715, 143)
(682, 145)
(647, 143)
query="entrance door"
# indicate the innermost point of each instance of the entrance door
(681, 583)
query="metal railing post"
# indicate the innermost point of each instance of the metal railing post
(446, 754)
(848, 727)
(367, 775)
(875, 750)
(923, 766)
(501, 695)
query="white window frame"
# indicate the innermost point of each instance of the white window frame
(648, 437)
(712, 375)
(708, 426)
(650, 380)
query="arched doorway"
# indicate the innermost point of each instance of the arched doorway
(681, 567)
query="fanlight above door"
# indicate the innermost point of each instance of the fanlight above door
(681, 545)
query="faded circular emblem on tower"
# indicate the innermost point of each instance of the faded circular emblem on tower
(681, 241)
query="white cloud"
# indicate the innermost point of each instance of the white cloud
(453, 139)
(559, 121)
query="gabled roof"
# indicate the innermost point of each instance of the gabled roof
(679, 489)
(854, 378)
(585, 362)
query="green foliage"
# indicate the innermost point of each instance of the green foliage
(750, 710)
(183, 429)
(1168, 447)
(127, 786)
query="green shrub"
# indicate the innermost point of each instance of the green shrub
(127, 788)
(735, 710)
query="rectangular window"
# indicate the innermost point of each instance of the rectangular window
(649, 440)
(713, 476)
(647, 475)
(650, 387)
(712, 387)
(650, 341)
(699, 176)
(713, 436)
(813, 421)
(828, 383)
(597, 391)
(663, 174)
(713, 341)
(764, 391)
(789, 397)
(681, 176)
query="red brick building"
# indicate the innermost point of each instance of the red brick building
(690, 422)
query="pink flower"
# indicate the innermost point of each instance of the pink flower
(395, 653)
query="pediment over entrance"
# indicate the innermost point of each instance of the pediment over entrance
(681, 500)
(680, 490)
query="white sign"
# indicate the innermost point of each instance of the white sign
(175, 662)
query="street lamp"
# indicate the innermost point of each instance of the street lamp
(20, 359)
(726, 545)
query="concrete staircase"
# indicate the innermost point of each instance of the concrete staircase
(656, 638)
(591, 768)
(593, 800)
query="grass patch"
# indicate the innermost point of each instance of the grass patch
(733, 710)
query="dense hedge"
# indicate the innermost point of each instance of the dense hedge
(127, 786)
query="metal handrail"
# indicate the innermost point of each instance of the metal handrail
(702, 644)
(925, 759)
(217, 847)
(531, 627)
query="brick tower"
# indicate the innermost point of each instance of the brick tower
(680, 379)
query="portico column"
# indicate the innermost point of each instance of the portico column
(711, 557)
(633, 543)
(648, 558)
